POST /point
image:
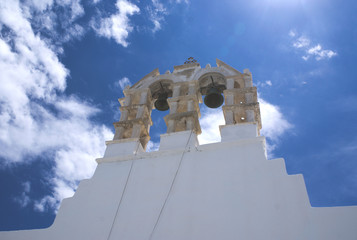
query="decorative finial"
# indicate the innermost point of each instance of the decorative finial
(190, 60)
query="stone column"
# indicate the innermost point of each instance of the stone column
(184, 109)
(190, 105)
(241, 104)
(135, 119)
(230, 83)
(143, 97)
(192, 89)
(140, 112)
(189, 124)
(249, 98)
(127, 101)
(229, 117)
(124, 115)
(176, 91)
(250, 115)
(229, 99)
(171, 126)
(248, 82)
(173, 107)
(119, 131)
(136, 131)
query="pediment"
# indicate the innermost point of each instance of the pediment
(224, 65)
(147, 80)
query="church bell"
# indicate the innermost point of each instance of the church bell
(161, 103)
(213, 98)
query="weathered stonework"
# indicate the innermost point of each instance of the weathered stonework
(135, 119)
(185, 87)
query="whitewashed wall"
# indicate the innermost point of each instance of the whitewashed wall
(226, 190)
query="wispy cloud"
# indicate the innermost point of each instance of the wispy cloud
(264, 84)
(117, 26)
(303, 43)
(57, 21)
(36, 116)
(274, 124)
(122, 83)
(320, 53)
(183, 1)
(156, 11)
(347, 103)
(292, 33)
(23, 200)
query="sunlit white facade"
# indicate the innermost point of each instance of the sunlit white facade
(225, 190)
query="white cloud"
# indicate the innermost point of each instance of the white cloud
(122, 83)
(304, 44)
(156, 14)
(157, 11)
(36, 117)
(55, 21)
(273, 122)
(210, 121)
(305, 57)
(185, 1)
(24, 199)
(27, 186)
(319, 53)
(301, 42)
(264, 84)
(157, 25)
(40, 5)
(117, 26)
(152, 146)
(74, 162)
(292, 33)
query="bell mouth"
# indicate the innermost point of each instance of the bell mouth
(161, 103)
(214, 98)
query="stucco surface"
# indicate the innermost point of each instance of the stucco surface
(226, 190)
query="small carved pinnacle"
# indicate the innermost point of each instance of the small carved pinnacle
(190, 60)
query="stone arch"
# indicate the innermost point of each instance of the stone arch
(162, 85)
(206, 80)
(212, 70)
(184, 88)
(233, 79)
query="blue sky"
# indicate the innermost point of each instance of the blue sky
(63, 65)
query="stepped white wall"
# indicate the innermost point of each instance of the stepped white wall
(226, 190)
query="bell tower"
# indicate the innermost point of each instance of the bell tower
(181, 92)
(225, 190)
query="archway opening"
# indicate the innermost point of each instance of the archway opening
(211, 118)
(158, 89)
